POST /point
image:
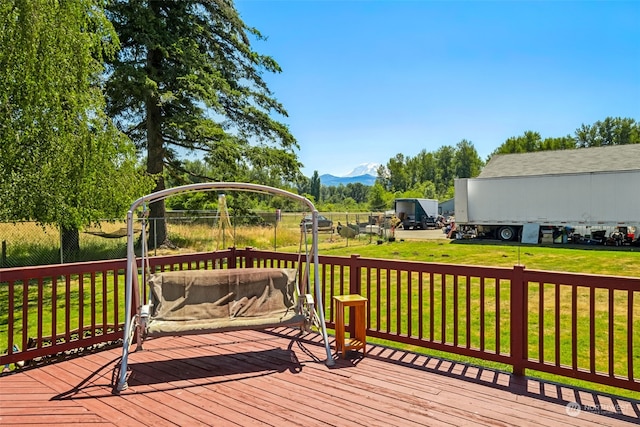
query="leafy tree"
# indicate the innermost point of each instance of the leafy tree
(422, 168)
(188, 79)
(315, 186)
(334, 193)
(62, 162)
(399, 180)
(379, 198)
(383, 177)
(467, 161)
(192, 172)
(357, 191)
(349, 205)
(429, 175)
(445, 157)
(532, 141)
(529, 142)
(303, 185)
(561, 143)
(610, 131)
(427, 190)
(413, 193)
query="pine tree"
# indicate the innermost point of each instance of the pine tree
(188, 80)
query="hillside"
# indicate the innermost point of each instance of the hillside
(333, 181)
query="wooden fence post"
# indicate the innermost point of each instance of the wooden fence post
(518, 332)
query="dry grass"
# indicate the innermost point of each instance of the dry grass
(21, 231)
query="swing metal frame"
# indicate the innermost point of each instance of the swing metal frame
(132, 288)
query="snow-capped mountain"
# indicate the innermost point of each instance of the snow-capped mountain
(364, 169)
(364, 173)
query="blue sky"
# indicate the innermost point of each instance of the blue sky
(365, 80)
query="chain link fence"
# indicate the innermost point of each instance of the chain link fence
(27, 243)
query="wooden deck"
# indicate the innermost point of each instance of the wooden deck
(271, 379)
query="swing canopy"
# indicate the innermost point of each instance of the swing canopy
(190, 302)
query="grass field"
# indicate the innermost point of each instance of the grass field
(588, 260)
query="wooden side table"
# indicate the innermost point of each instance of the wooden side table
(358, 340)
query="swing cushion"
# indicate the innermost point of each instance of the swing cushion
(203, 301)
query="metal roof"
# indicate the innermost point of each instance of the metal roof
(582, 160)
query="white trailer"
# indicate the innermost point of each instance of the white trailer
(500, 207)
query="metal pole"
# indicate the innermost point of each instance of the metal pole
(61, 250)
(122, 379)
(319, 296)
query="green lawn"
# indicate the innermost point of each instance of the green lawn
(623, 261)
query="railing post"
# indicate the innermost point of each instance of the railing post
(354, 288)
(248, 258)
(231, 260)
(518, 314)
(354, 275)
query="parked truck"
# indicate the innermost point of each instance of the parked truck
(416, 213)
(504, 207)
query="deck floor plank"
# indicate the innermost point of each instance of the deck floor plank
(203, 383)
(291, 396)
(389, 410)
(404, 395)
(236, 385)
(251, 378)
(25, 400)
(76, 383)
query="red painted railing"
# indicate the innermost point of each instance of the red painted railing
(47, 299)
(575, 325)
(580, 326)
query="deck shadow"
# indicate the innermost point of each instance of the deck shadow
(574, 399)
(181, 373)
(213, 366)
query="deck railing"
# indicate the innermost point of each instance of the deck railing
(51, 309)
(580, 326)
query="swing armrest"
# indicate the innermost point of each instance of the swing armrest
(309, 299)
(145, 312)
(311, 312)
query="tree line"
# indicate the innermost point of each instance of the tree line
(431, 175)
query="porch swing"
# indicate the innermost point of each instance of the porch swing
(188, 302)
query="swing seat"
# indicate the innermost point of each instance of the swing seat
(222, 300)
(219, 300)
